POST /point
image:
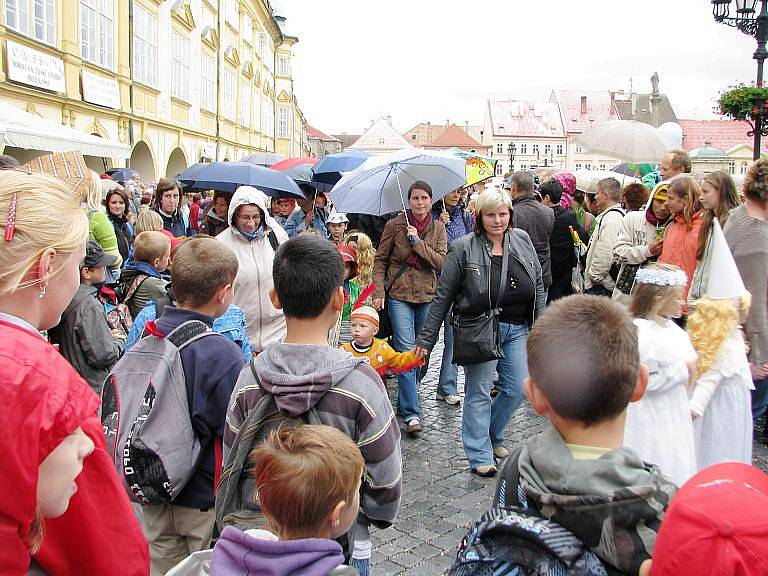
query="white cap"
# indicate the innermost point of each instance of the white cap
(337, 218)
(724, 278)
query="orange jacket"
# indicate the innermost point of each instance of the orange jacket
(382, 357)
(680, 245)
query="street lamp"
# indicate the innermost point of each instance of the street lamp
(752, 24)
(511, 148)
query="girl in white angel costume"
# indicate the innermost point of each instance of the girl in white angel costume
(658, 426)
(720, 400)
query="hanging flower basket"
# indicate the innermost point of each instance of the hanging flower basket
(744, 103)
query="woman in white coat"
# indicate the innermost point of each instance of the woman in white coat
(253, 235)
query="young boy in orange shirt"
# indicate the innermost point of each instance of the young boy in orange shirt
(381, 357)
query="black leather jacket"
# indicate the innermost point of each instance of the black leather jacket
(466, 277)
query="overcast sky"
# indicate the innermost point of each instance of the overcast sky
(432, 60)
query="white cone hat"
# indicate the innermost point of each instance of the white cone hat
(724, 278)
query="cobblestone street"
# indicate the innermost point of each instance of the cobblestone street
(441, 498)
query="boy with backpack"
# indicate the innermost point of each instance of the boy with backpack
(576, 473)
(303, 378)
(83, 334)
(142, 277)
(175, 480)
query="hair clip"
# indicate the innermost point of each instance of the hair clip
(10, 223)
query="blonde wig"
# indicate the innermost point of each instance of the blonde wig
(711, 323)
(48, 215)
(148, 221)
(93, 198)
(365, 256)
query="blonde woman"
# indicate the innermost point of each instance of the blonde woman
(46, 404)
(100, 228)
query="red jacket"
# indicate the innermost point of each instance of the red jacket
(680, 246)
(43, 401)
(194, 214)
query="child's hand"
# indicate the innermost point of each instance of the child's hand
(420, 352)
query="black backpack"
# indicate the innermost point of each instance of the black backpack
(514, 539)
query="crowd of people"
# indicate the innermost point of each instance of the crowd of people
(217, 401)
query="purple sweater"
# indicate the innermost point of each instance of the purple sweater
(238, 553)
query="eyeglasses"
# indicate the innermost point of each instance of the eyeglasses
(254, 218)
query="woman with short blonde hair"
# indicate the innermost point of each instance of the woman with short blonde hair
(46, 403)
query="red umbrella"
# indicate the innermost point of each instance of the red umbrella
(283, 165)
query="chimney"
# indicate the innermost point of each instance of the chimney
(583, 105)
(466, 126)
(389, 119)
(447, 121)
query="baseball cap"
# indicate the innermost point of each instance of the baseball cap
(349, 256)
(337, 218)
(717, 524)
(95, 256)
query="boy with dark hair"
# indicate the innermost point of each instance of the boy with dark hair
(561, 250)
(304, 372)
(83, 334)
(203, 273)
(577, 472)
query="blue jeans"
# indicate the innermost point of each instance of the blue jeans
(760, 398)
(449, 372)
(484, 420)
(407, 321)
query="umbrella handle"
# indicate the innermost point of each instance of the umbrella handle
(402, 198)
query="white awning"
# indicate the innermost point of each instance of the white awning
(24, 130)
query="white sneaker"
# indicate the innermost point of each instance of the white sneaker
(413, 426)
(450, 399)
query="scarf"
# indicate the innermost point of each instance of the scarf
(421, 228)
(255, 235)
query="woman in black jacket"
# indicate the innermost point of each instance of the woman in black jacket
(473, 275)
(117, 210)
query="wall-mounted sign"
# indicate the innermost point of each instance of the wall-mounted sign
(208, 151)
(35, 68)
(100, 90)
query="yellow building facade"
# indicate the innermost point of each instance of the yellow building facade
(178, 81)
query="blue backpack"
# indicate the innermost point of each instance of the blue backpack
(513, 539)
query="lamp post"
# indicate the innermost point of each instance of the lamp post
(751, 23)
(511, 148)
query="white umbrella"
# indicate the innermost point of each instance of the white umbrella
(587, 180)
(626, 140)
(380, 185)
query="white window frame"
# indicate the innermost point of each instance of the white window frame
(559, 150)
(535, 149)
(245, 102)
(578, 165)
(603, 167)
(587, 166)
(208, 82)
(732, 167)
(283, 68)
(144, 46)
(499, 148)
(524, 148)
(97, 32)
(33, 18)
(499, 168)
(282, 123)
(180, 50)
(523, 166)
(743, 168)
(230, 12)
(246, 30)
(268, 118)
(578, 149)
(229, 93)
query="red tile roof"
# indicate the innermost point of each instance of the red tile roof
(313, 132)
(454, 136)
(520, 118)
(723, 134)
(599, 108)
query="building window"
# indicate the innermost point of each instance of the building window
(499, 148)
(179, 67)
(535, 149)
(246, 30)
(245, 103)
(282, 123)
(413, 136)
(602, 167)
(523, 166)
(547, 149)
(230, 12)
(511, 167)
(268, 113)
(578, 165)
(732, 167)
(229, 92)
(578, 149)
(523, 148)
(559, 150)
(499, 169)
(39, 22)
(144, 46)
(208, 92)
(743, 168)
(97, 31)
(587, 166)
(282, 66)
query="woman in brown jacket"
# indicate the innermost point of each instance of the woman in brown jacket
(409, 257)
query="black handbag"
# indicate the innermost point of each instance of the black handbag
(476, 339)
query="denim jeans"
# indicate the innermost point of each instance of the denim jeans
(482, 427)
(407, 321)
(449, 372)
(760, 398)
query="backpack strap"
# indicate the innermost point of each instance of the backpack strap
(273, 240)
(160, 305)
(505, 495)
(135, 285)
(468, 222)
(188, 332)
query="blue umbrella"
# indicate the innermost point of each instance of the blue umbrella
(329, 169)
(229, 176)
(121, 174)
